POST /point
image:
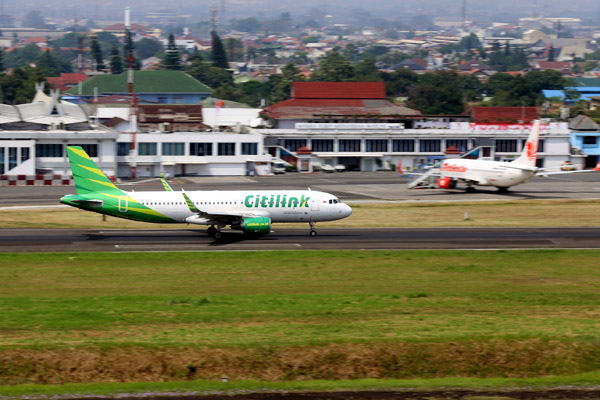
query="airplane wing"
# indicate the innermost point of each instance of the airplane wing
(204, 217)
(543, 173)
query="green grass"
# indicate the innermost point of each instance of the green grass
(296, 297)
(588, 380)
(298, 315)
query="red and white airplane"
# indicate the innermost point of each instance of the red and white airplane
(476, 172)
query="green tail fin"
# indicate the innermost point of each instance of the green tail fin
(86, 174)
(166, 185)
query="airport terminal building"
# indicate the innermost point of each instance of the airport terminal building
(350, 124)
(354, 125)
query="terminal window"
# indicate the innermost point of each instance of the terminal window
(173, 149)
(294, 144)
(506, 146)
(461, 144)
(377, 145)
(322, 145)
(403, 146)
(49, 150)
(123, 149)
(226, 149)
(249, 148)
(589, 139)
(200, 149)
(430, 145)
(91, 149)
(147, 149)
(349, 145)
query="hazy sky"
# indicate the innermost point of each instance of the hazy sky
(394, 9)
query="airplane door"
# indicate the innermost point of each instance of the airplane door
(123, 203)
(314, 202)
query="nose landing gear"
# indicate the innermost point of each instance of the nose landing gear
(313, 232)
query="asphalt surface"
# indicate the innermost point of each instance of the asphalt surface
(64, 240)
(351, 187)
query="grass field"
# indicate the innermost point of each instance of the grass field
(298, 315)
(441, 214)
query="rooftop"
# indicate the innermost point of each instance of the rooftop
(144, 82)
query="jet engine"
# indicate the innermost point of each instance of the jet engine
(254, 226)
(446, 183)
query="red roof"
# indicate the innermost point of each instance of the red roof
(66, 81)
(331, 99)
(338, 90)
(496, 115)
(36, 39)
(558, 65)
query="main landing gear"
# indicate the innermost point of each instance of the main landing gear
(470, 189)
(313, 232)
(214, 232)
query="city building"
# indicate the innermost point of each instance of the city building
(166, 87)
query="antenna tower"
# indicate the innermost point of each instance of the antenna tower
(213, 18)
(132, 99)
(463, 14)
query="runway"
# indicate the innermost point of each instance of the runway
(69, 240)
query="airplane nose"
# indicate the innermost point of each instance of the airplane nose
(347, 211)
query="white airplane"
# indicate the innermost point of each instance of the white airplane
(475, 172)
(251, 211)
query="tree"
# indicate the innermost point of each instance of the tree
(116, 62)
(97, 53)
(519, 94)
(34, 19)
(498, 83)
(208, 74)
(334, 68)
(172, 60)
(281, 85)
(19, 87)
(470, 42)
(147, 48)
(547, 80)
(367, 71)
(398, 82)
(437, 93)
(1, 63)
(551, 53)
(218, 55)
(48, 64)
(129, 51)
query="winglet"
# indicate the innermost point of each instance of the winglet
(189, 203)
(166, 185)
(597, 167)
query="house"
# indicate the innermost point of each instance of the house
(414, 64)
(585, 139)
(167, 87)
(66, 81)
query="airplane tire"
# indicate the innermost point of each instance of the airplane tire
(313, 233)
(470, 189)
(218, 235)
(211, 231)
(503, 189)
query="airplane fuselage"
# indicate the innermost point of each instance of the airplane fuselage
(484, 173)
(171, 207)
